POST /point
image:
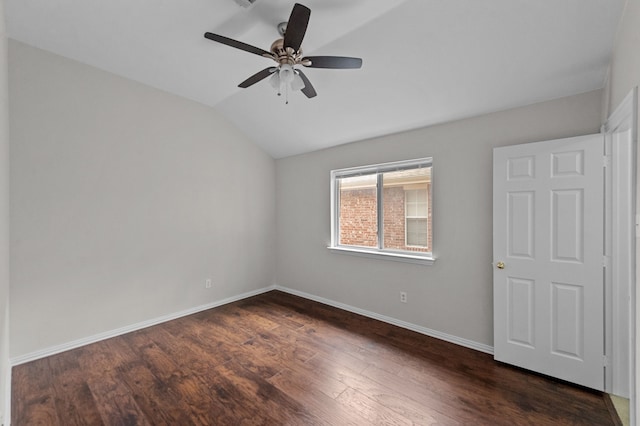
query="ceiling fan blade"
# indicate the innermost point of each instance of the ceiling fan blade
(335, 62)
(296, 26)
(261, 75)
(237, 44)
(308, 90)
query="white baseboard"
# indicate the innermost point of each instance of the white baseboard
(418, 329)
(32, 356)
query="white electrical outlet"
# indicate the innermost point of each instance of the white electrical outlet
(207, 283)
(403, 297)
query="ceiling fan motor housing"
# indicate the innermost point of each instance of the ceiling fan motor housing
(284, 55)
(245, 3)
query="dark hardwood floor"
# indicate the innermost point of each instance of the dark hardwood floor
(277, 359)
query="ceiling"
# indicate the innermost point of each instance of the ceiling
(424, 61)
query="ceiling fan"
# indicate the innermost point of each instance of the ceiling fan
(287, 53)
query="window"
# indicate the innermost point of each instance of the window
(416, 212)
(383, 209)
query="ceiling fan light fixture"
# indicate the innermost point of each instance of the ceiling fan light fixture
(297, 83)
(286, 74)
(286, 79)
(274, 80)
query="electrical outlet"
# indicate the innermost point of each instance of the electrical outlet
(403, 297)
(207, 283)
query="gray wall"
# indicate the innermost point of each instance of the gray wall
(124, 199)
(624, 72)
(454, 296)
(623, 77)
(4, 218)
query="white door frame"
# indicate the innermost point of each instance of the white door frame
(620, 132)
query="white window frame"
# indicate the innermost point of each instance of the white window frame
(425, 258)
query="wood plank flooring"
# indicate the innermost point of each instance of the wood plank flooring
(276, 359)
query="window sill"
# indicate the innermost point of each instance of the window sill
(375, 254)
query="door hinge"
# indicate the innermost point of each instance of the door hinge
(606, 261)
(605, 360)
(606, 161)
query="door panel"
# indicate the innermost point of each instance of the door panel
(566, 325)
(521, 312)
(567, 226)
(548, 231)
(521, 224)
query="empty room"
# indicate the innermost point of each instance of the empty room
(221, 212)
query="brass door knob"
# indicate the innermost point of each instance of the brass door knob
(500, 265)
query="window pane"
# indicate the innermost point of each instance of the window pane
(358, 211)
(405, 195)
(411, 208)
(417, 234)
(422, 209)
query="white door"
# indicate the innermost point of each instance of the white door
(548, 202)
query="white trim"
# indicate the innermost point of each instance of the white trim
(607, 260)
(382, 167)
(621, 265)
(144, 324)
(5, 364)
(6, 414)
(32, 356)
(393, 321)
(622, 111)
(387, 255)
(622, 316)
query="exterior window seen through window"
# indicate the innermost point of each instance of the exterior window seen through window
(416, 211)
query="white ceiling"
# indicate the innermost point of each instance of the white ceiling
(424, 61)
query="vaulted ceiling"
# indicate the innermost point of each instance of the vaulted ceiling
(424, 61)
